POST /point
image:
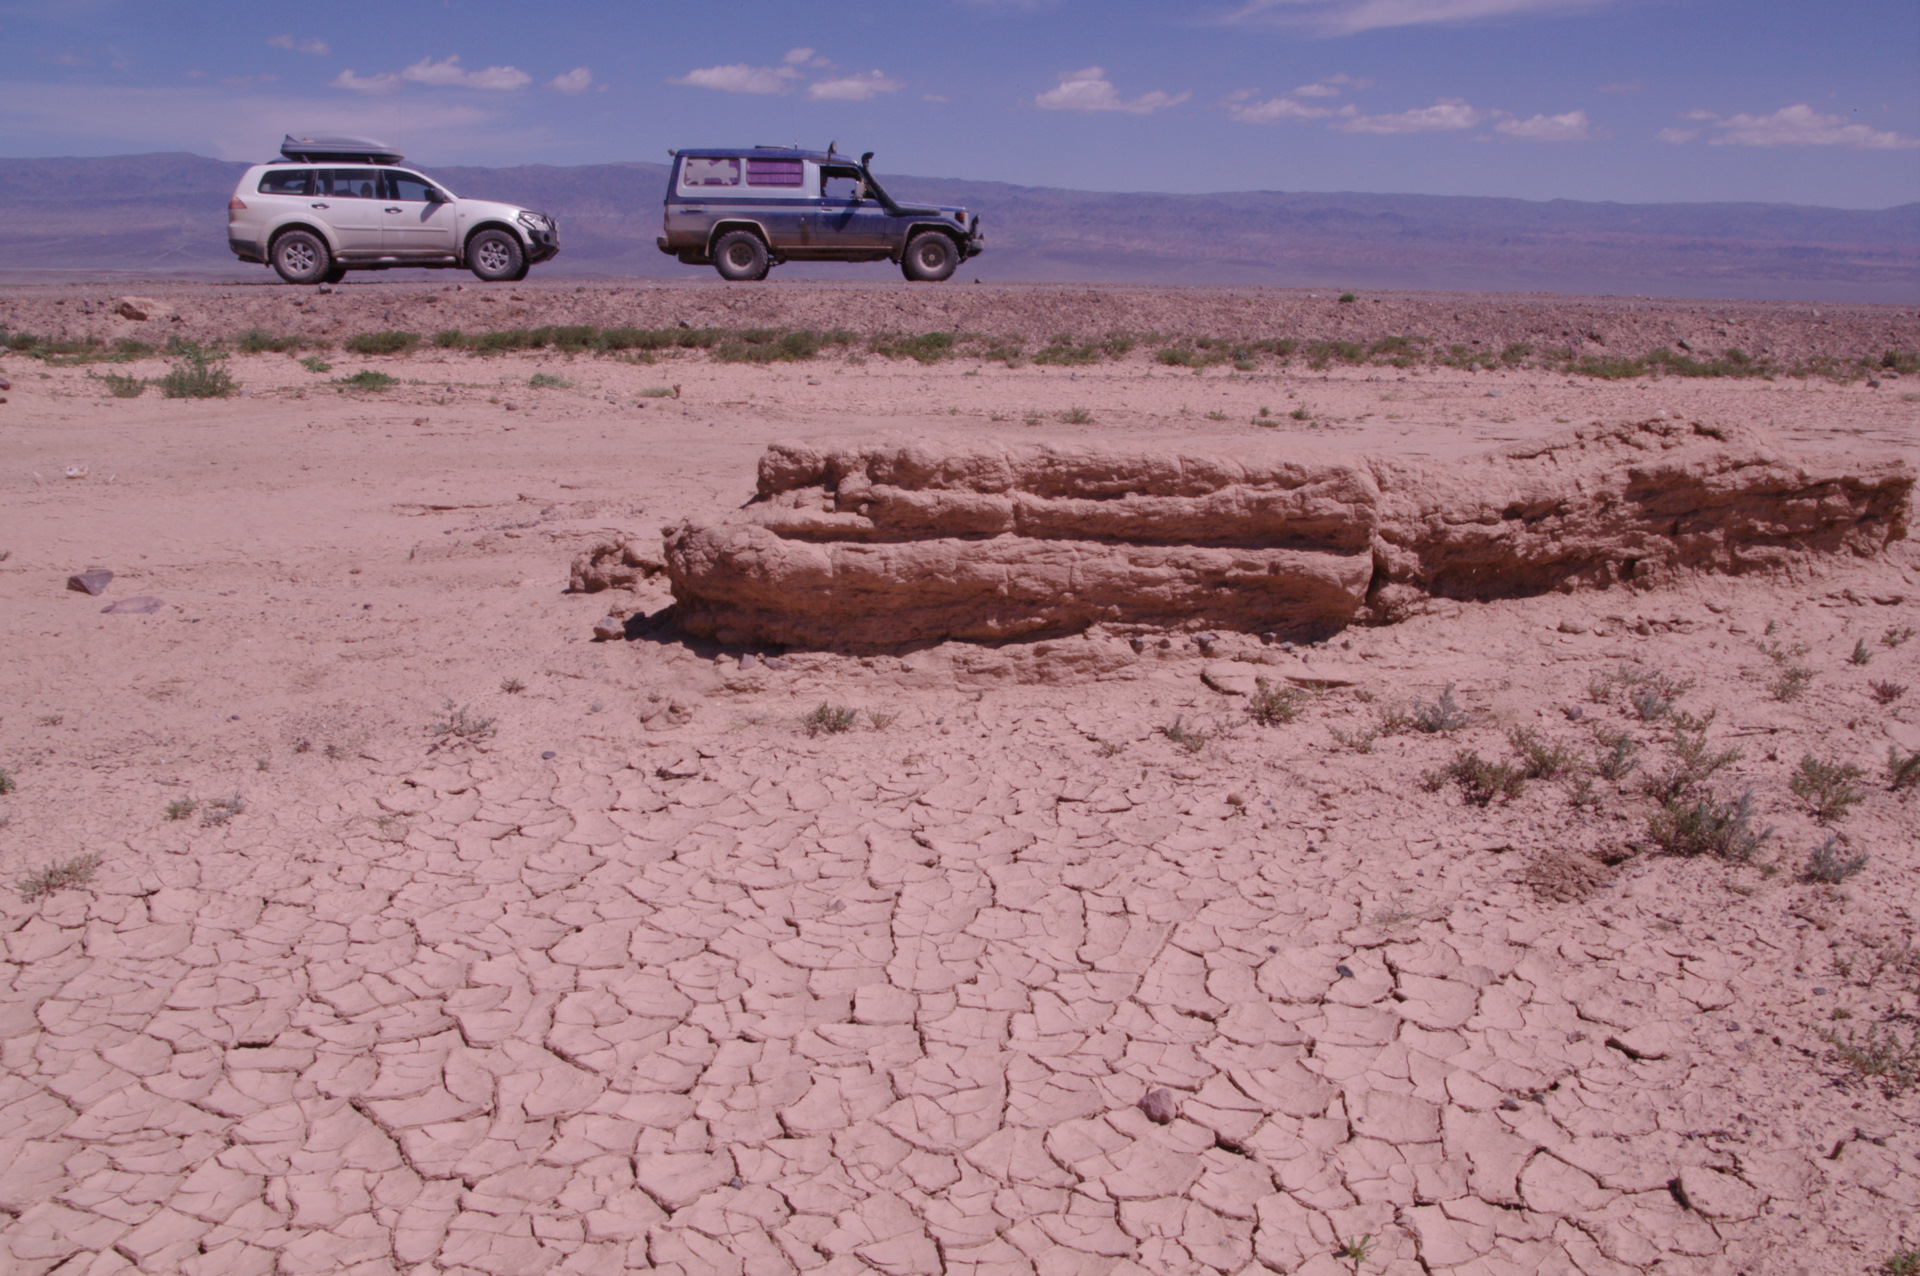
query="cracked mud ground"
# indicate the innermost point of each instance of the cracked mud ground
(702, 993)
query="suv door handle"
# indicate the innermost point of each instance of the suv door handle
(320, 206)
(396, 210)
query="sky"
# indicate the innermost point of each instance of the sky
(1627, 100)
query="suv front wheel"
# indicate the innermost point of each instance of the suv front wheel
(495, 256)
(301, 257)
(739, 255)
(930, 257)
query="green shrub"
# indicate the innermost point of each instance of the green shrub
(829, 719)
(450, 339)
(1704, 826)
(366, 379)
(77, 871)
(1443, 715)
(1902, 773)
(260, 341)
(1831, 866)
(123, 387)
(1481, 781)
(1540, 759)
(1827, 787)
(193, 378)
(382, 342)
(928, 347)
(314, 363)
(1271, 705)
(547, 381)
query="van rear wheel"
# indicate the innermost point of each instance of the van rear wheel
(301, 257)
(740, 256)
(930, 257)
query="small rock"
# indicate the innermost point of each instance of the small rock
(736, 1180)
(594, 707)
(144, 605)
(1269, 638)
(774, 662)
(1138, 644)
(1230, 679)
(1286, 646)
(1574, 712)
(5, 384)
(134, 308)
(1493, 394)
(325, 288)
(90, 582)
(748, 660)
(548, 756)
(609, 629)
(1872, 384)
(1343, 971)
(1159, 1107)
(1166, 644)
(511, 406)
(1573, 626)
(77, 471)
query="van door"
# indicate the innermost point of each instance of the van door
(348, 199)
(414, 225)
(847, 221)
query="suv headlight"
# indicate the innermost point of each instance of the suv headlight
(535, 221)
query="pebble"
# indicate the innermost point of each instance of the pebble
(609, 629)
(1159, 1107)
(93, 581)
(1138, 644)
(5, 384)
(548, 756)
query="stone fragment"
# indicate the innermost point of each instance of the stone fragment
(92, 581)
(609, 629)
(1231, 678)
(138, 309)
(1159, 1106)
(143, 605)
(615, 564)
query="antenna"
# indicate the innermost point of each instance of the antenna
(830, 146)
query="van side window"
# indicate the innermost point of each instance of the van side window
(840, 183)
(709, 172)
(776, 172)
(285, 181)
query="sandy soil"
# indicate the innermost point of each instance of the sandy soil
(519, 952)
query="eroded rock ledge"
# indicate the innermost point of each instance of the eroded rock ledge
(880, 544)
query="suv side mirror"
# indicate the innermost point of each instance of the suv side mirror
(437, 196)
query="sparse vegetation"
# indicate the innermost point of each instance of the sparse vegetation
(1879, 1055)
(1693, 764)
(1902, 773)
(1076, 416)
(928, 347)
(1791, 684)
(195, 377)
(1479, 780)
(315, 364)
(1902, 1262)
(1831, 865)
(829, 719)
(512, 686)
(217, 811)
(6, 782)
(1862, 654)
(1274, 705)
(547, 381)
(260, 341)
(1187, 738)
(1540, 759)
(461, 725)
(1826, 787)
(882, 720)
(1615, 761)
(1896, 636)
(1440, 716)
(1886, 692)
(181, 808)
(1355, 1250)
(123, 387)
(366, 379)
(1706, 826)
(65, 875)
(382, 342)
(1348, 297)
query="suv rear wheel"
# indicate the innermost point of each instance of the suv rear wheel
(739, 255)
(930, 257)
(301, 257)
(495, 256)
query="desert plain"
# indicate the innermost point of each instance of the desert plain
(364, 912)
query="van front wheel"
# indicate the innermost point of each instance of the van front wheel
(930, 257)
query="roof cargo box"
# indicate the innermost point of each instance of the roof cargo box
(333, 146)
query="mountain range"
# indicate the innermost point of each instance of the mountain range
(162, 216)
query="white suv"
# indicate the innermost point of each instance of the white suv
(335, 204)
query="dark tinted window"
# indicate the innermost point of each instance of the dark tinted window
(348, 183)
(285, 181)
(408, 188)
(776, 172)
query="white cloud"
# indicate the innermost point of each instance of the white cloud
(852, 88)
(578, 80)
(1676, 136)
(1090, 90)
(1274, 110)
(737, 77)
(1344, 17)
(319, 48)
(804, 57)
(449, 73)
(1574, 126)
(385, 82)
(1446, 115)
(1317, 90)
(1801, 125)
(933, 97)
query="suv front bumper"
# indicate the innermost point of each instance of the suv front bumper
(542, 245)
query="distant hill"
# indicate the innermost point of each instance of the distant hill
(163, 216)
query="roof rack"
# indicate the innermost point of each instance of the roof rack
(356, 150)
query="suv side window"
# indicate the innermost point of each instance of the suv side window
(405, 187)
(286, 181)
(348, 183)
(696, 172)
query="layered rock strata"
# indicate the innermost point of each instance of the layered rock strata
(882, 544)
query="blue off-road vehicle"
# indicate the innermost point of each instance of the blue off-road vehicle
(747, 209)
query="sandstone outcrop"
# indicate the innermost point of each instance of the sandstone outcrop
(882, 544)
(616, 563)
